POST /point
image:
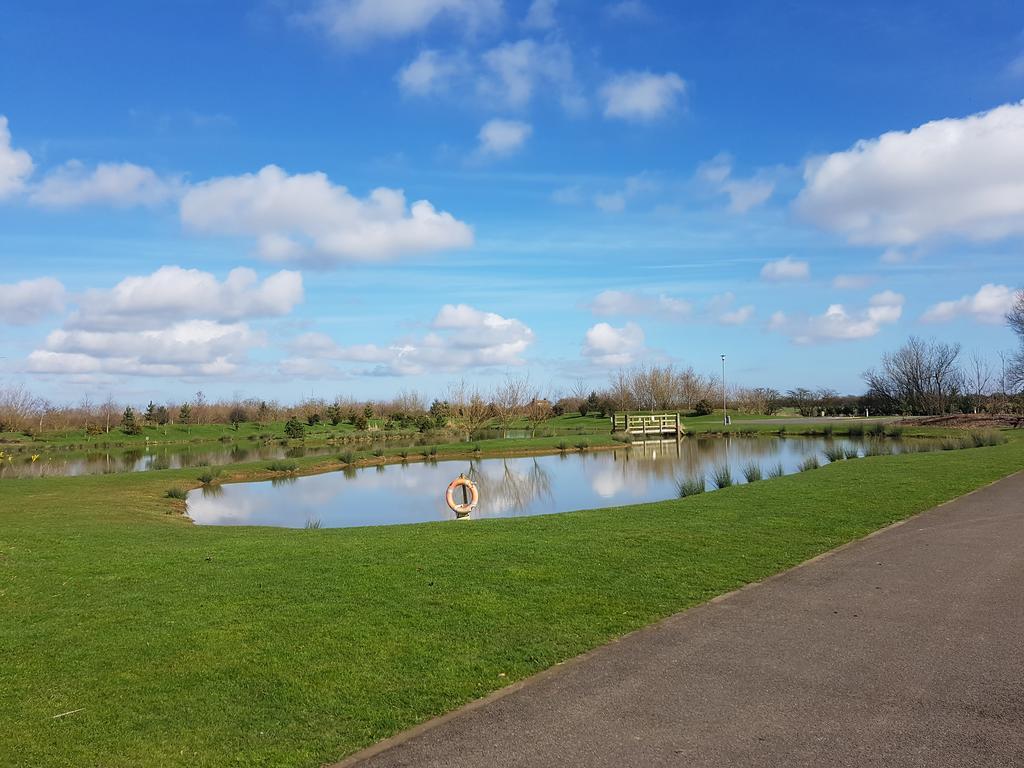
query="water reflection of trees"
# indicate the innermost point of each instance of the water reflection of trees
(510, 489)
(692, 457)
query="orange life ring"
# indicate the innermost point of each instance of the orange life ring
(474, 496)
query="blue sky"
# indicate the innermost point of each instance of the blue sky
(187, 192)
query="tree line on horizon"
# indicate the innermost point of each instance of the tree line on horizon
(921, 378)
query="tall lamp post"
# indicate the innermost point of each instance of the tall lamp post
(725, 402)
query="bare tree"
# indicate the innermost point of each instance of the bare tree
(978, 378)
(920, 377)
(1015, 317)
(510, 399)
(469, 409)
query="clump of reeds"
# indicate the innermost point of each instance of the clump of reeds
(752, 472)
(877, 429)
(835, 453)
(877, 448)
(177, 493)
(980, 438)
(721, 476)
(856, 430)
(691, 487)
(348, 457)
(563, 446)
(777, 471)
(828, 430)
(622, 437)
(282, 466)
(582, 445)
(209, 476)
(811, 462)
(895, 432)
(849, 452)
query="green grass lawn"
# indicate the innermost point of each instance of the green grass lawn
(199, 646)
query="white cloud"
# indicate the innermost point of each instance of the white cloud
(605, 344)
(356, 23)
(15, 164)
(962, 177)
(786, 268)
(430, 72)
(541, 14)
(641, 96)
(989, 305)
(720, 309)
(628, 10)
(122, 185)
(461, 337)
(172, 292)
(28, 301)
(306, 217)
(1016, 67)
(852, 282)
(508, 76)
(841, 324)
(503, 137)
(173, 322)
(616, 201)
(187, 348)
(511, 74)
(616, 303)
(743, 194)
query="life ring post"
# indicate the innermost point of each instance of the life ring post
(470, 496)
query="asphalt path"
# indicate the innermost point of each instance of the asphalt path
(902, 649)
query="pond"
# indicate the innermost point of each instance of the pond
(17, 462)
(100, 462)
(412, 493)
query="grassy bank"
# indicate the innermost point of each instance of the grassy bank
(200, 646)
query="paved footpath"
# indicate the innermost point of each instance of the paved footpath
(903, 649)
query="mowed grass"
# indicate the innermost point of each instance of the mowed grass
(197, 646)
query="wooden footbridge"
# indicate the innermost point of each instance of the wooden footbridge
(648, 423)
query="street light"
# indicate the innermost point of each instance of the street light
(725, 402)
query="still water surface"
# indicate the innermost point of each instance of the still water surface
(410, 493)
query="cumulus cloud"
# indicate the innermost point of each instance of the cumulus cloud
(617, 200)
(604, 344)
(512, 73)
(503, 137)
(29, 301)
(508, 76)
(743, 194)
(430, 72)
(187, 348)
(173, 322)
(616, 303)
(541, 15)
(628, 10)
(356, 23)
(15, 164)
(786, 268)
(461, 337)
(642, 96)
(306, 217)
(958, 176)
(720, 309)
(988, 305)
(841, 324)
(172, 292)
(122, 185)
